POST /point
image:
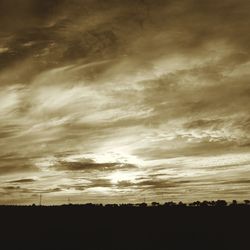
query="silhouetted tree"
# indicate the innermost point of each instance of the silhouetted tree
(181, 204)
(155, 204)
(220, 203)
(247, 202)
(142, 204)
(169, 204)
(234, 203)
(195, 204)
(204, 204)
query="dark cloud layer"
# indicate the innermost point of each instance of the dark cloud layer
(88, 165)
(22, 181)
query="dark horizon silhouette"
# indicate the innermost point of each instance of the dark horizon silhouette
(204, 203)
(199, 225)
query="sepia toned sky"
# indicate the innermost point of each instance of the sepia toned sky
(121, 101)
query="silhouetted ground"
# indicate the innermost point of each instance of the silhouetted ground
(125, 227)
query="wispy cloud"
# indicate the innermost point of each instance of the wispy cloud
(110, 92)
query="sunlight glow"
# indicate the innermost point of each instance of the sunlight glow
(119, 176)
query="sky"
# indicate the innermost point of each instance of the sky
(124, 101)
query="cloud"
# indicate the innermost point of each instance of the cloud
(88, 165)
(3, 50)
(22, 181)
(108, 90)
(94, 183)
(8, 168)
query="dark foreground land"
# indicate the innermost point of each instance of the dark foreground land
(96, 227)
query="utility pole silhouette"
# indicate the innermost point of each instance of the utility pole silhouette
(40, 200)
